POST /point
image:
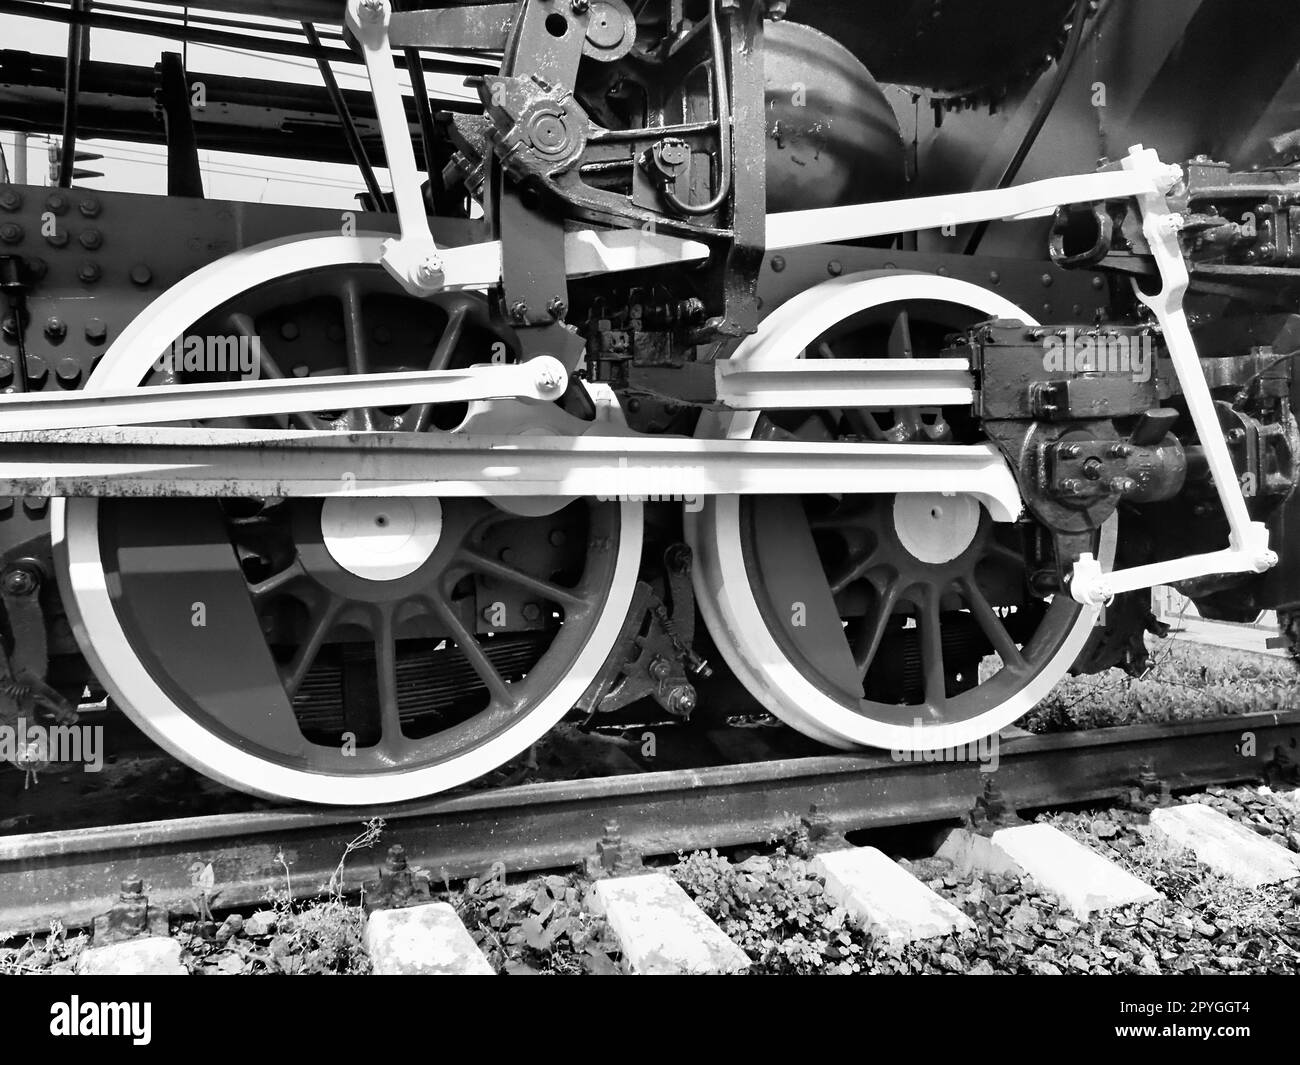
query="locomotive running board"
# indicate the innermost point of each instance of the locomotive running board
(172, 461)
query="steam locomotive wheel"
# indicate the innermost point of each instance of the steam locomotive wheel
(903, 622)
(351, 650)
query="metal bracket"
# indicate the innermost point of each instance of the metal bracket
(992, 811)
(397, 886)
(24, 693)
(130, 916)
(814, 383)
(1248, 550)
(613, 857)
(822, 836)
(1149, 791)
(413, 258)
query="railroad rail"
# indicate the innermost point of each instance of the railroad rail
(74, 875)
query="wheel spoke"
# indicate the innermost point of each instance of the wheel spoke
(269, 368)
(992, 626)
(354, 327)
(307, 651)
(863, 423)
(441, 359)
(900, 337)
(869, 636)
(854, 570)
(930, 622)
(490, 566)
(390, 717)
(277, 581)
(496, 685)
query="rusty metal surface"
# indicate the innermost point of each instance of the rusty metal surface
(77, 874)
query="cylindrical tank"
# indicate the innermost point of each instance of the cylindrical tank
(945, 47)
(832, 137)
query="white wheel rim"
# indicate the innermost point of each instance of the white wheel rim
(99, 632)
(722, 582)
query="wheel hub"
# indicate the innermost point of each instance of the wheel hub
(381, 539)
(935, 527)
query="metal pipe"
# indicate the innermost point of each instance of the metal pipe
(340, 105)
(723, 114)
(1040, 118)
(424, 114)
(219, 38)
(77, 35)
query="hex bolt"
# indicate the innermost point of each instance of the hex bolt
(557, 308)
(10, 200)
(519, 311)
(548, 381)
(20, 580)
(1068, 451)
(1119, 451)
(88, 273)
(681, 700)
(1071, 486)
(835, 268)
(11, 233)
(57, 239)
(141, 274)
(1046, 279)
(532, 612)
(580, 6)
(778, 263)
(68, 371)
(37, 371)
(1098, 282)
(1092, 469)
(55, 329)
(57, 202)
(91, 239)
(1122, 485)
(35, 506)
(89, 207)
(429, 272)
